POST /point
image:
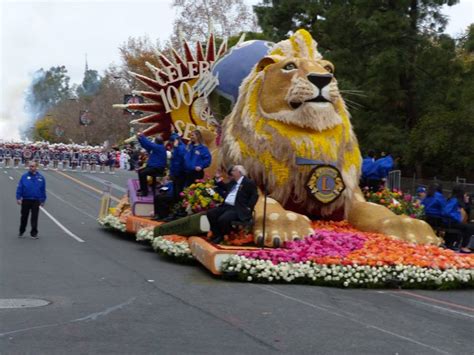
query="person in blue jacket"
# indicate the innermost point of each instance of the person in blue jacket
(177, 167)
(31, 194)
(434, 202)
(384, 165)
(378, 174)
(156, 163)
(455, 217)
(196, 159)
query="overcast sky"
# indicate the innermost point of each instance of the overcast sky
(41, 34)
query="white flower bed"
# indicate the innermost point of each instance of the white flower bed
(179, 251)
(347, 275)
(113, 222)
(145, 234)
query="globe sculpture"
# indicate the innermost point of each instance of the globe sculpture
(231, 70)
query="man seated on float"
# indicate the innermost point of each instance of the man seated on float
(240, 198)
(163, 201)
(156, 163)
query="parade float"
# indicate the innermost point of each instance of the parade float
(276, 109)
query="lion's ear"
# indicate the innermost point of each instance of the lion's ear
(264, 62)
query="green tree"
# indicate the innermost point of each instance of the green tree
(44, 129)
(394, 66)
(90, 84)
(46, 90)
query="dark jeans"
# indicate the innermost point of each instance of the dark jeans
(26, 207)
(192, 176)
(178, 186)
(466, 229)
(162, 203)
(144, 173)
(220, 219)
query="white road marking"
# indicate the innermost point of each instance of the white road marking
(67, 231)
(70, 204)
(11, 178)
(368, 325)
(428, 304)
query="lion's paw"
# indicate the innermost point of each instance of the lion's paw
(280, 225)
(408, 229)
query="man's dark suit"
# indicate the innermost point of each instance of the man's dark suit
(221, 217)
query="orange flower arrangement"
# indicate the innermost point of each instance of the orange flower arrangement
(382, 250)
(175, 238)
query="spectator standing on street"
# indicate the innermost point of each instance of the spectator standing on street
(31, 194)
(134, 155)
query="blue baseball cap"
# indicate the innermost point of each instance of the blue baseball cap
(173, 137)
(420, 189)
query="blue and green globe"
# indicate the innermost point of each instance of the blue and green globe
(231, 70)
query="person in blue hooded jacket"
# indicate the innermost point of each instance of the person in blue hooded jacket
(455, 217)
(434, 202)
(384, 165)
(196, 159)
(156, 163)
(177, 166)
(378, 174)
(31, 194)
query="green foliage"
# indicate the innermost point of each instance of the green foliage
(43, 129)
(232, 40)
(397, 202)
(408, 86)
(90, 84)
(46, 90)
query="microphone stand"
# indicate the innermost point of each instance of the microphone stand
(265, 192)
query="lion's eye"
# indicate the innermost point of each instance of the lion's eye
(290, 66)
(329, 68)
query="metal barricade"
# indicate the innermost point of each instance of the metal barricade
(394, 180)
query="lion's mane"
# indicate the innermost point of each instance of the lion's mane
(261, 143)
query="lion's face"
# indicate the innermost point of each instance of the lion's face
(299, 92)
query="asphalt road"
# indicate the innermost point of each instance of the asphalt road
(108, 294)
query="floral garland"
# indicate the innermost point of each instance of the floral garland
(309, 272)
(145, 234)
(360, 259)
(397, 202)
(175, 247)
(200, 196)
(113, 222)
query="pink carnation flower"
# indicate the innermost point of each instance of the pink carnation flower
(322, 243)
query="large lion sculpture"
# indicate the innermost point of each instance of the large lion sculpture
(290, 117)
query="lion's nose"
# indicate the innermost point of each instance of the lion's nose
(320, 80)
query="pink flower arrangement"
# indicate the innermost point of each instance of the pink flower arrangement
(322, 243)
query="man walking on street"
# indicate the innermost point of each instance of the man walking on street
(30, 194)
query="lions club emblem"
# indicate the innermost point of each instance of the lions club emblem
(325, 184)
